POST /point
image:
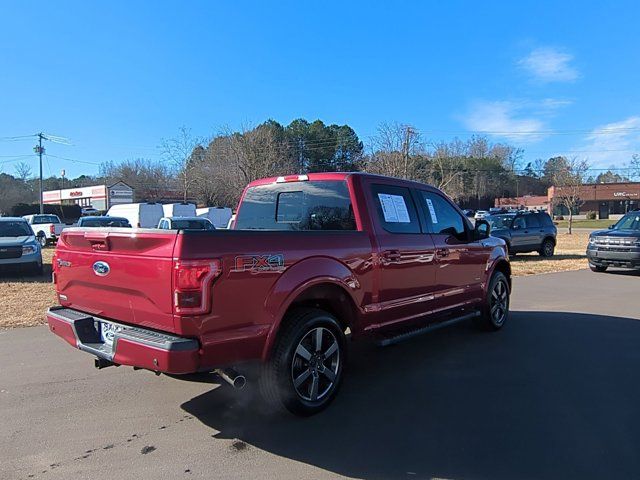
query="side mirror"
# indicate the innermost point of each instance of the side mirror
(482, 230)
(611, 227)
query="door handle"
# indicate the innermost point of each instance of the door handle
(442, 252)
(392, 255)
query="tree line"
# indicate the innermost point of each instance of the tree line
(213, 171)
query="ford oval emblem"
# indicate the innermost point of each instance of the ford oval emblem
(101, 269)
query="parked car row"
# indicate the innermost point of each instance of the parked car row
(149, 215)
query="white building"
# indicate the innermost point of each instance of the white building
(100, 197)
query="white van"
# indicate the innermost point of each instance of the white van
(141, 215)
(179, 210)
(219, 216)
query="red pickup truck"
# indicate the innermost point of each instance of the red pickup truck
(311, 259)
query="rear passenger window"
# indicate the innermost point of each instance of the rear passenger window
(395, 208)
(532, 221)
(444, 218)
(545, 220)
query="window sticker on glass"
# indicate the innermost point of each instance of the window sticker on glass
(432, 211)
(394, 208)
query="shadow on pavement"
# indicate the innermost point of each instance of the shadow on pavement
(552, 395)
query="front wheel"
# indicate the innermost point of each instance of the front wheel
(42, 239)
(496, 308)
(305, 371)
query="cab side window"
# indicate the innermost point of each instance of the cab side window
(442, 216)
(532, 221)
(396, 210)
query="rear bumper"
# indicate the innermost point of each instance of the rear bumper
(133, 346)
(606, 258)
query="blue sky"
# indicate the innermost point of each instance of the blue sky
(117, 77)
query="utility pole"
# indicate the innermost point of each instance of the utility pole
(39, 149)
(300, 155)
(405, 149)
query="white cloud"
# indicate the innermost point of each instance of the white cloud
(504, 119)
(612, 144)
(549, 64)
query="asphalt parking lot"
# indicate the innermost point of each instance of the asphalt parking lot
(555, 394)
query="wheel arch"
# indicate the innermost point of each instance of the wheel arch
(334, 289)
(503, 266)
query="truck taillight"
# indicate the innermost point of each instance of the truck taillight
(192, 280)
(52, 229)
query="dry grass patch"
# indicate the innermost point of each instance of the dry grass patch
(570, 255)
(25, 298)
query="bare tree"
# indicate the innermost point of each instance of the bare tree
(634, 167)
(150, 180)
(233, 159)
(182, 155)
(396, 151)
(23, 171)
(446, 167)
(568, 181)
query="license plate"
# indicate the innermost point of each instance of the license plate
(107, 332)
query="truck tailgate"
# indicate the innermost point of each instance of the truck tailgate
(117, 273)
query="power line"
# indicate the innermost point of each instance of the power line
(73, 160)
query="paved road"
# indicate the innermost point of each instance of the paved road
(555, 394)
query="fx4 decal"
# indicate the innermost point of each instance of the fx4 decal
(260, 263)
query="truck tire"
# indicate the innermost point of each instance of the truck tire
(306, 367)
(496, 308)
(42, 239)
(547, 248)
(37, 269)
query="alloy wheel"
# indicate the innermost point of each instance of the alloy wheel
(315, 364)
(499, 303)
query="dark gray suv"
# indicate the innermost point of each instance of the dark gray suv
(525, 232)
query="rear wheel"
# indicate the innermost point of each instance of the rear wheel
(306, 368)
(597, 268)
(496, 309)
(547, 248)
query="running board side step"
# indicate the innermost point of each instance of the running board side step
(385, 342)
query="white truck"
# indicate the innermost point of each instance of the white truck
(46, 227)
(140, 215)
(219, 216)
(179, 210)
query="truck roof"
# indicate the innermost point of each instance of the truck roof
(336, 176)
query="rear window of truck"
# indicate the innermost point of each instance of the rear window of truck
(316, 205)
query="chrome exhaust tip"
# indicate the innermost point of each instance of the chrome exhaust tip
(232, 377)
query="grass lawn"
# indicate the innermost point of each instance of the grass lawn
(586, 223)
(26, 298)
(570, 255)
